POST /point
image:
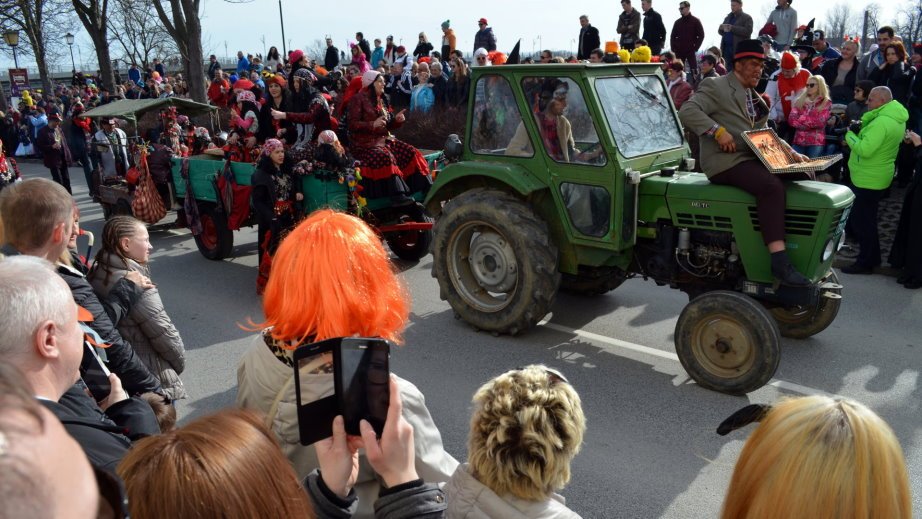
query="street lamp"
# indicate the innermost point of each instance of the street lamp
(69, 38)
(11, 38)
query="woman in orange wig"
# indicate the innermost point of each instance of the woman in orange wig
(331, 278)
(820, 458)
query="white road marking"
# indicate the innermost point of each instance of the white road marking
(639, 348)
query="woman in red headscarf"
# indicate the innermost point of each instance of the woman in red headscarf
(390, 167)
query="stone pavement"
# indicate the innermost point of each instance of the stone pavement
(888, 220)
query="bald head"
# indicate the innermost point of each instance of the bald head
(878, 97)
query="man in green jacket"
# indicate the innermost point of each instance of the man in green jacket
(874, 144)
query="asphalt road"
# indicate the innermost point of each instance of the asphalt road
(651, 449)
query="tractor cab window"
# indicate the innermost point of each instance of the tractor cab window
(496, 117)
(639, 114)
(564, 124)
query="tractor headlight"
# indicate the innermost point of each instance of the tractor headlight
(829, 249)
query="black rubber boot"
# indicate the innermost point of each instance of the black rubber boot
(784, 271)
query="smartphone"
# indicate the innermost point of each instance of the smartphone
(95, 374)
(361, 374)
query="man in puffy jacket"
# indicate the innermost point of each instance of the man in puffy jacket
(484, 37)
(874, 145)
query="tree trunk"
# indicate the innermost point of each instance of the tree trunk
(185, 26)
(195, 60)
(94, 16)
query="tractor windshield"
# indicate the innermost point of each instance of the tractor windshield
(639, 114)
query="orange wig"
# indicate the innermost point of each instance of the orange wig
(331, 277)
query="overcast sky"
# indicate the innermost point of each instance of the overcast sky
(242, 25)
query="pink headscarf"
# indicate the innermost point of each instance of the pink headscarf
(246, 95)
(271, 145)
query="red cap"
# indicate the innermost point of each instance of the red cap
(482, 21)
(243, 83)
(788, 61)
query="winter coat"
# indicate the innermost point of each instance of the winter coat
(243, 67)
(897, 77)
(870, 61)
(471, 499)
(266, 383)
(147, 326)
(104, 436)
(422, 50)
(588, 41)
(785, 21)
(654, 31)
(844, 93)
(485, 39)
(855, 110)
(331, 58)
(874, 148)
(363, 112)
(687, 36)
(680, 92)
(741, 30)
(121, 357)
(449, 40)
(376, 56)
(459, 91)
(51, 157)
(412, 500)
(810, 123)
(629, 27)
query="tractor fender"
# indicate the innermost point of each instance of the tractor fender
(459, 177)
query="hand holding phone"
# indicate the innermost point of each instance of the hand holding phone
(339, 460)
(393, 457)
(116, 395)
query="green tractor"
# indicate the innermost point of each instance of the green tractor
(522, 213)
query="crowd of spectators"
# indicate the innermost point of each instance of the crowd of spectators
(73, 446)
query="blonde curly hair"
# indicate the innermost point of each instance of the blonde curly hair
(527, 426)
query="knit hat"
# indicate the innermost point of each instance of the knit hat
(327, 137)
(246, 95)
(271, 145)
(788, 61)
(295, 56)
(480, 52)
(401, 49)
(243, 83)
(446, 24)
(369, 77)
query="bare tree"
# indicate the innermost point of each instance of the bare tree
(841, 21)
(94, 16)
(37, 19)
(316, 50)
(909, 21)
(182, 20)
(138, 32)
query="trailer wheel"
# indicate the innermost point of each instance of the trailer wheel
(410, 245)
(494, 261)
(216, 241)
(728, 342)
(801, 322)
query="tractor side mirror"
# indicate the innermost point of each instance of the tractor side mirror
(453, 148)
